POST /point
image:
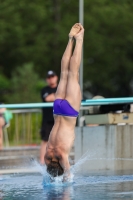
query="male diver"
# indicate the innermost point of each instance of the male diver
(66, 107)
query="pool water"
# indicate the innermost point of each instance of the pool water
(34, 187)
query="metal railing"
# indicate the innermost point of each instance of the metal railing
(25, 127)
(26, 123)
(88, 102)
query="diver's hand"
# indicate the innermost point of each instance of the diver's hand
(67, 177)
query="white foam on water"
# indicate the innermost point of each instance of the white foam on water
(129, 192)
(2, 178)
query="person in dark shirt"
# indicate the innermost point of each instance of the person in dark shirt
(47, 95)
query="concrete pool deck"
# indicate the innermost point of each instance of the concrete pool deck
(19, 170)
(19, 159)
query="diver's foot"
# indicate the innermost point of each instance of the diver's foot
(80, 34)
(74, 30)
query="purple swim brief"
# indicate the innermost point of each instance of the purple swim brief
(62, 107)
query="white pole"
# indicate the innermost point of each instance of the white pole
(81, 20)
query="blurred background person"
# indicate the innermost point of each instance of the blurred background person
(47, 95)
(2, 123)
(5, 117)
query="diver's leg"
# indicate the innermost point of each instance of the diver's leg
(61, 90)
(65, 62)
(73, 92)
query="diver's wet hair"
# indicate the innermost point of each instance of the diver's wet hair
(55, 169)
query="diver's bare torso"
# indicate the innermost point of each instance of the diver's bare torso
(62, 136)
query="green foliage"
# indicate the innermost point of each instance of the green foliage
(24, 85)
(109, 47)
(32, 32)
(4, 85)
(40, 84)
(36, 32)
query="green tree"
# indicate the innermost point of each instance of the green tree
(24, 83)
(109, 47)
(4, 86)
(37, 32)
(34, 32)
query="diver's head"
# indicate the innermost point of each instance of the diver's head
(55, 169)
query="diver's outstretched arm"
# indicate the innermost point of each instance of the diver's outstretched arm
(64, 162)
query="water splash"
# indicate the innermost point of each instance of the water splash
(87, 156)
(58, 181)
(47, 179)
(41, 168)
